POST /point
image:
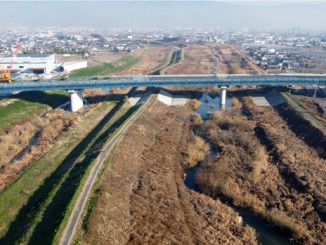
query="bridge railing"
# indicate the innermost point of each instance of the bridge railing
(159, 81)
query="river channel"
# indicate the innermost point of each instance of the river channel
(267, 235)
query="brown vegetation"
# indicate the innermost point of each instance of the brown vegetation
(313, 134)
(25, 141)
(197, 60)
(197, 151)
(142, 198)
(234, 60)
(294, 158)
(313, 105)
(196, 119)
(151, 58)
(242, 173)
(194, 104)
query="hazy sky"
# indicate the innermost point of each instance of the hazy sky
(183, 14)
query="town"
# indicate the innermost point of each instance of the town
(291, 51)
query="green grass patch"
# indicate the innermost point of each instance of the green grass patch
(101, 141)
(107, 68)
(45, 209)
(18, 194)
(28, 104)
(93, 197)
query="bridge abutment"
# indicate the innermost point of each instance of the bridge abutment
(76, 100)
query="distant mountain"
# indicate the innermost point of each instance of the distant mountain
(105, 15)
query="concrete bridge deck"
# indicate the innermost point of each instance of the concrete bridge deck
(165, 80)
(75, 86)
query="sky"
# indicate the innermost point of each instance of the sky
(164, 14)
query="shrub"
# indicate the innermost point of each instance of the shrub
(217, 178)
(259, 164)
(196, 119)
(194, 104)
(249, 235)
(235, 103)
(232, 69)
(197, 151)
(285, 222)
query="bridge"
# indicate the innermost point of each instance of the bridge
(75, 86)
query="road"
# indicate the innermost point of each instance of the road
(164, 80)
(70, 229)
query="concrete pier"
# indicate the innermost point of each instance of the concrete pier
(223, 96)
(76, 100)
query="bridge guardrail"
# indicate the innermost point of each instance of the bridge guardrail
(159, 81)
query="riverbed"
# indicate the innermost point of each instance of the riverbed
(266, 234)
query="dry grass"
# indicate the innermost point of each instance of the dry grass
(194, 104)
(93, 92)
(143, 200)
(197, 60)
(234, 60)
(298, 174)
(196, 119)
(313, 105)
(197, 151)
(16, 140)
(287, 223)
(235, 103)
(296, 159)
(151, 59)
(243, 174)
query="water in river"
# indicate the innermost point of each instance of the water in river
(267, 235)
(209, 105)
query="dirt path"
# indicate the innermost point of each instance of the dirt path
(306, 114)
(142, 199)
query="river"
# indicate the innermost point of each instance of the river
(267, 235)
(210, 104)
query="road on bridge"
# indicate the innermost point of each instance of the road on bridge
(74, 219)
(165, 80)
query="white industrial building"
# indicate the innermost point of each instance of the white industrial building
(73, 65)
(38, 63)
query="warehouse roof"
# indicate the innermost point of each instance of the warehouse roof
(30, 55)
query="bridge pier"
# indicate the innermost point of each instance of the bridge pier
(76, 100)
(223, 97)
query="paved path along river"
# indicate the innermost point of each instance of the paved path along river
(77, 211)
